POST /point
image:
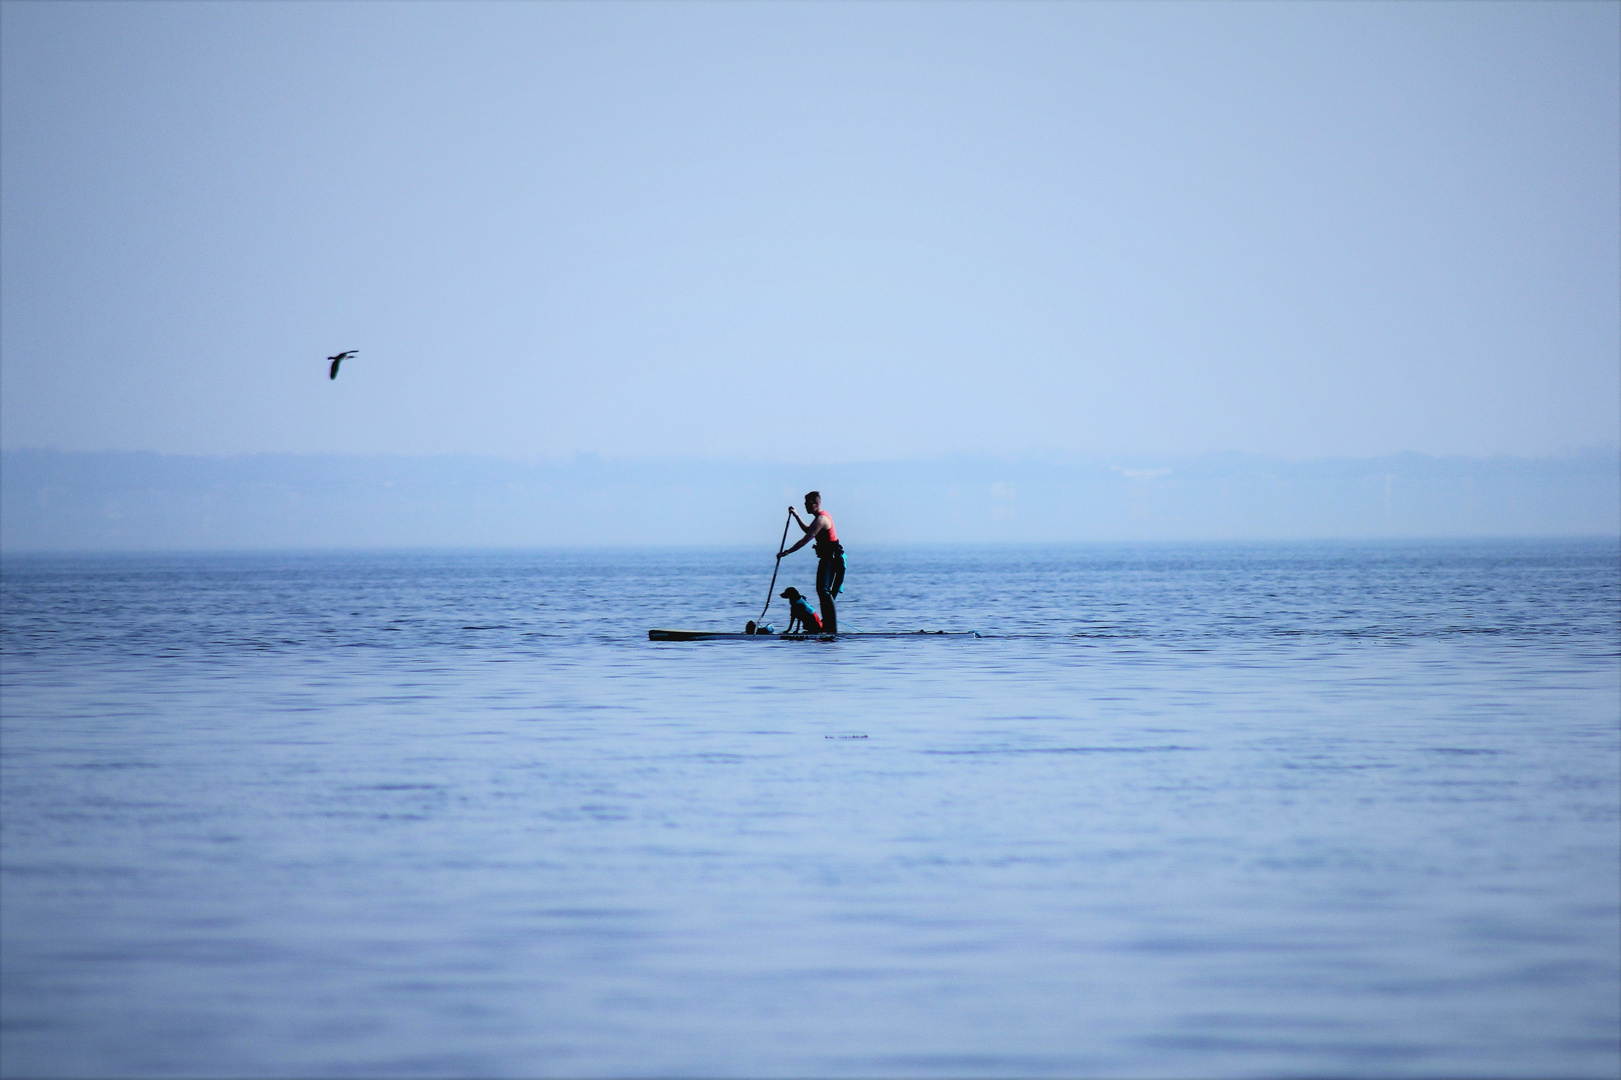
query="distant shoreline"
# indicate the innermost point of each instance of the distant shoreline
(134, 501)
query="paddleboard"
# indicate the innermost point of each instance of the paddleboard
(712, 635)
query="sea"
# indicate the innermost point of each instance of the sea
(1194, 810)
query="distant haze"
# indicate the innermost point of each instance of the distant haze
(819, 233)
(54, 501)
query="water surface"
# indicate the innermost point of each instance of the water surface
(1184, 810)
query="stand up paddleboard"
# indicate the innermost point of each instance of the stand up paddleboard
(762, 631)
(716, 635)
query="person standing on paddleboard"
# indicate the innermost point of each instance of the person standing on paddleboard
(829, 556)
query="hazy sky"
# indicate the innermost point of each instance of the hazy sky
(811, 232)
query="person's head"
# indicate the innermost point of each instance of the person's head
(791, 594)
(813, 501)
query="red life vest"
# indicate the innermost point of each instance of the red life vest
(827, 544)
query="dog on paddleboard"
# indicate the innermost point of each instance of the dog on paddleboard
(800, 613)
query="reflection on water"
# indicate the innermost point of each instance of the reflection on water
(1193, 810)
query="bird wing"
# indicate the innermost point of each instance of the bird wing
(333, 374)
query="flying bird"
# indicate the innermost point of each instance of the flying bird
(336, 360)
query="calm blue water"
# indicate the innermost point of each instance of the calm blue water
(1191, 811)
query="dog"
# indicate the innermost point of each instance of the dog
(801, 613)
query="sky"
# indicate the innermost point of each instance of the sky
(811, 232)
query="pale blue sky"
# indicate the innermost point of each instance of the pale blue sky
(825, 232)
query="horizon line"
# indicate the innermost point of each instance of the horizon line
(1613, 539)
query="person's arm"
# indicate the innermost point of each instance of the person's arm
(811, 530)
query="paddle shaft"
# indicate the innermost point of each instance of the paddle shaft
(774, 569)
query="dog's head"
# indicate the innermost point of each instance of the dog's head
(791, 594)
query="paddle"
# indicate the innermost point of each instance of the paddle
(773, 587)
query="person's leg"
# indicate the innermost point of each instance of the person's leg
(824, 576)
(829, 580)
